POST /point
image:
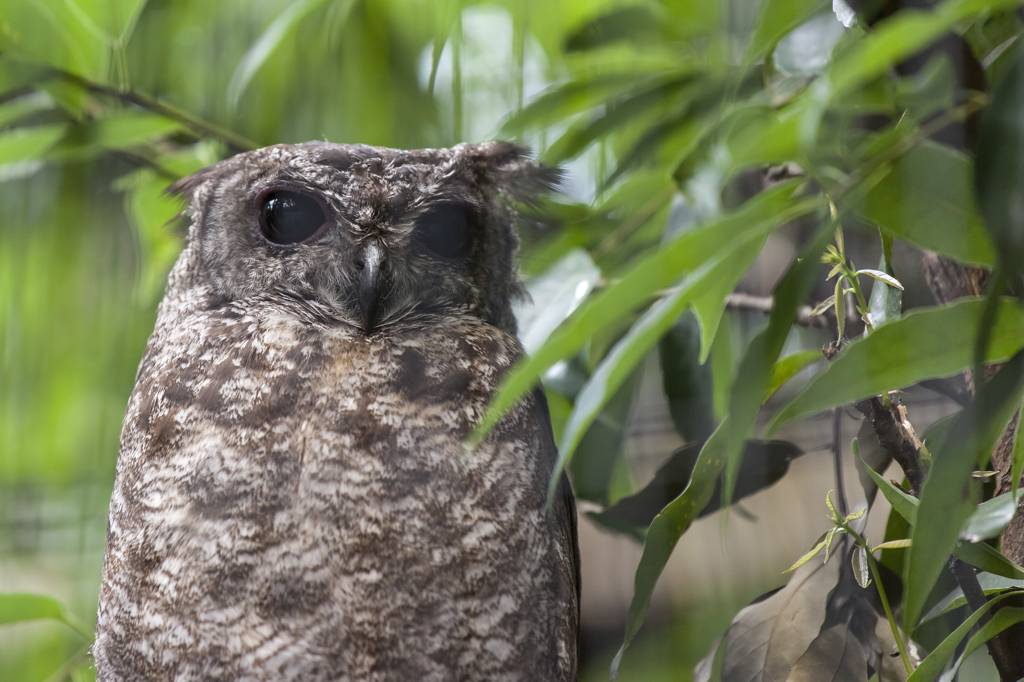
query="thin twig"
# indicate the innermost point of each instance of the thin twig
(198, 125)
(837, 460)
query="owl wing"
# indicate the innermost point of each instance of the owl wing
(563, 511)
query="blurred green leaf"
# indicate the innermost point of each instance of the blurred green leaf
(112, 19)
(26, 144)
(926, 199)
(944, 506)
(753, 377)
(1000, 166)
(567, 100)
(925, 343)
(18, 607)
(779, 17)
(555, 294)
(705, 289)
(758, 216)
(121, 129)
(268, 43)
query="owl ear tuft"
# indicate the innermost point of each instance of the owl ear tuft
(510, 169)
(188, 186)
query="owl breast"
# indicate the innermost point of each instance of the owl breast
(294, 501)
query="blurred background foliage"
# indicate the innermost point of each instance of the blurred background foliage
(705, 143)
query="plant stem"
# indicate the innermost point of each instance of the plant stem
(888, 611)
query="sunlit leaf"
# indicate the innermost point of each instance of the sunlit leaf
(25, 144)
(118, 130)
(944, 505)
(894, 544)
(925, 343)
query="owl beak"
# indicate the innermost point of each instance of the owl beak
(368, 263)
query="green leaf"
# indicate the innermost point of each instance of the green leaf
(764, 463)
(118, 130)
(567, 100)
(114, 20)
(931, 667)
(758, 216)
(990, 584)
(27, 144)
(943, 502)
(778, 18)
(18, 607)
(268, 43)
(894, 544)
(925, 343)
(984, 557)
(667, 528)
(706, 289)
(754, 374)
(554, 295)
(886, 302)
(724, 450)
(1001, 620)
(926, 198)
(820, 545)
(991, 518)
(789, 366)
(1000, 166)
(688, 384)
(601, 446)
(892, 40)
(905, 505)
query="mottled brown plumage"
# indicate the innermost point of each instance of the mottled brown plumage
(293, 497)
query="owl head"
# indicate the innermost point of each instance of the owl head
(366, 236)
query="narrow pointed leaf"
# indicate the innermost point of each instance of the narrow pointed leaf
(19, 607)
(925, 343)
(944, 504)
(760, 215)
(931, 667)
(706, 288)
(789, 366)
(1001, 620)
(881, 276)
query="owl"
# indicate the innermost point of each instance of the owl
(294, 498)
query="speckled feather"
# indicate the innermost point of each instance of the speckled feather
(293, 498)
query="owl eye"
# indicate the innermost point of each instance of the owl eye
(289, 217)
(444, 231)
